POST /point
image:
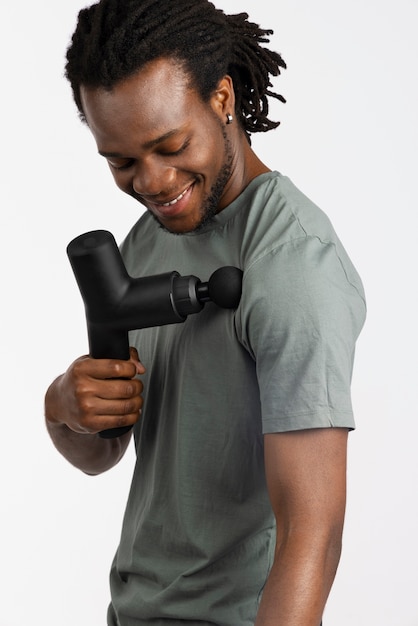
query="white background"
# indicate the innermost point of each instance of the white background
(349, 140)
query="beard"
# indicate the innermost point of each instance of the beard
(210, 206)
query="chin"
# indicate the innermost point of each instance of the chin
(182, 226)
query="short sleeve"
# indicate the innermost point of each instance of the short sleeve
(299, 318)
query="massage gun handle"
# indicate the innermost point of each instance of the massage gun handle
(112, 433)
(101, 276)
(105, 343)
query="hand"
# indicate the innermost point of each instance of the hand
(97, 394)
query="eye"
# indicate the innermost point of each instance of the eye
(120, 166)
(177, 152)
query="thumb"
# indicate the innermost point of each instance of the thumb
(140, 369)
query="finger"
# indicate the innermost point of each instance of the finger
(106, 422)
(118, 389)
(120, 408)
(105, 368)
(104, 414)
(135, 358)
(119, 413)
(118, 422)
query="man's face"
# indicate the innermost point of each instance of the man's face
(165, 147)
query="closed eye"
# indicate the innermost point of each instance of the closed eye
(123, 166)
(177, 152)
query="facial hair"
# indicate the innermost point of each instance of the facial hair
(211, 202)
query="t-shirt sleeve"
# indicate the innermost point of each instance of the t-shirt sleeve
(299, 318)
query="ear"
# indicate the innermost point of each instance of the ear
(223, 98)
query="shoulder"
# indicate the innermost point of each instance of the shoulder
(297, 272)
(285, 232)
(276, 213)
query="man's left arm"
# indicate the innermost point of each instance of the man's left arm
(306, 480)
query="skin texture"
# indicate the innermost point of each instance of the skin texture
(163, 143)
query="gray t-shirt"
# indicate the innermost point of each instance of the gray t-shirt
(198, 534)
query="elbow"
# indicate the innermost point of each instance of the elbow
(319, 542)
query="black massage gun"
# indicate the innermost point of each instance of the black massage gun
(116, 303)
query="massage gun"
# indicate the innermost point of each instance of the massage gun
(116, 303)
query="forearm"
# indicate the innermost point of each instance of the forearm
(89, 453)
(300, 581)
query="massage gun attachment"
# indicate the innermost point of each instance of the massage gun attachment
(116, 303)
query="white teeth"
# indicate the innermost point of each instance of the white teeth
(175, 200)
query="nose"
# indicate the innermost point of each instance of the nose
(152, 178)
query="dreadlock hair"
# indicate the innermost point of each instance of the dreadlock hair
(115, 38)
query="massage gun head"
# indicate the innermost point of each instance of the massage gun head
(225, 286)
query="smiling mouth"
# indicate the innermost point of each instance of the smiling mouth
(183, 193)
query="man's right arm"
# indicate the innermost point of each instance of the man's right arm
(94, 395)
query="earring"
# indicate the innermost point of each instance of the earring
(229, 119)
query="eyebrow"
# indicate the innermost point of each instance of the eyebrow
(147, 146)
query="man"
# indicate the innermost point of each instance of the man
(236, 509)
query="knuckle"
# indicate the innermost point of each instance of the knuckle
(77, 369)
(80, 390)
(129, 407)
(129, 390)
(86, 407)
(123, 370)
(133, 388)
(117, 369)
(121, 421)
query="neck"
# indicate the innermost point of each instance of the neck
(246, 167)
